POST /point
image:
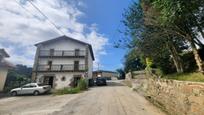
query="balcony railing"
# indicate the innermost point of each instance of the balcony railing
(62, 53)
(62, 68)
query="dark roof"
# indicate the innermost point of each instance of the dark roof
(4, 53)
(104, 71)
(66, 37)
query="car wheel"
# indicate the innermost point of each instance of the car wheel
(14, 93)
(36, 93)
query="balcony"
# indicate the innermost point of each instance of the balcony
(62, 53)
(61, 68)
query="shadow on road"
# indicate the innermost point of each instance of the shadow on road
(112, 83)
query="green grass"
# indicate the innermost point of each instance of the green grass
(67, 91)
(82, 86)
(196, 77)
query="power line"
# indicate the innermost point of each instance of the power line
(24, 7)
(53, 24)
(45, 16)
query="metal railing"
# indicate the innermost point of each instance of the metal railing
(62, 53)
(66, 67)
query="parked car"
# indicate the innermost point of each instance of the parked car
(100, 81)
(91, 82)
(31, 88)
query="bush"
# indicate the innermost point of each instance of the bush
(82, 84)
(196, 77)
(67, 91)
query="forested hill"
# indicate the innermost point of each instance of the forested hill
(20, 75)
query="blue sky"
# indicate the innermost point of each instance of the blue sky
(107, 14)
(92, 21)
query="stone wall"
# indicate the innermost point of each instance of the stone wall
(175, 97)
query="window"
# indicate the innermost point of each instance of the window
(76, 65)
(32, 85)
(63, 78)
(77, 52)
(52, 52)
(26, 86)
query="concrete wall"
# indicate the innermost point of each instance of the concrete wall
(3, 75)
(62, 45)
(175, 97)
(60, 60)
(58, 83)
(178, 97)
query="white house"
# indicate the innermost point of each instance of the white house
(62, 61)
(4, 66)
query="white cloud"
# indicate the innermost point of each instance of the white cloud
(23, 26)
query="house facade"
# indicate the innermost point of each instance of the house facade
(107, 74)
(62, 61)
(4, 67)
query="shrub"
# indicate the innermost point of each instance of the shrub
(82, 84)
(196, 77)
(67, 91)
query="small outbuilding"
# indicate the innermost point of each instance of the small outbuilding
(109, 75)
(4, 67)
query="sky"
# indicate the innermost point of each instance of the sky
(93, 21)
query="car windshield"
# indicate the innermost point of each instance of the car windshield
(100, 78)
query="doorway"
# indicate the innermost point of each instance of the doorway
(48, 80)
(76, 80)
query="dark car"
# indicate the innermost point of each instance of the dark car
(101, 81)
(91, 82)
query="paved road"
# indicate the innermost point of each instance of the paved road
(114, 99)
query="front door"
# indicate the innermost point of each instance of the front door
(48, 80)
(49, 65)
(76, 79)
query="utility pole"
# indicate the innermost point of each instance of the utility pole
(98, 66)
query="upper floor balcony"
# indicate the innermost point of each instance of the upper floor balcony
(61, 68)
(62, 53)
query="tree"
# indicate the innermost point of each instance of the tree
(148, 37)
(121, 73)
(162, 29)
(182, 18)
(133, 61)
(18, 76)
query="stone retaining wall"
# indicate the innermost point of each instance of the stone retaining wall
(176, 97)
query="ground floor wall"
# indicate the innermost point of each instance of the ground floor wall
(3, 75)
(175, 97)
(60, 80)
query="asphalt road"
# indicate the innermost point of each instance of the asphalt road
(114, 99)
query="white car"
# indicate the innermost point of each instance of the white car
(31, 88)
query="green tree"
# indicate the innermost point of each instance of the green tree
(183, 18)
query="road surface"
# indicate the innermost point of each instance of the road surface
(114, 99)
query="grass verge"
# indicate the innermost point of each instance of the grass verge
(196, 77)
(82, 86)
(67, 91)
